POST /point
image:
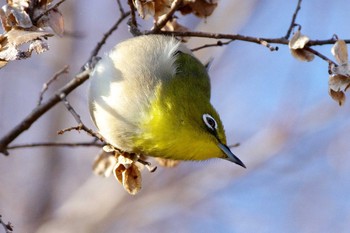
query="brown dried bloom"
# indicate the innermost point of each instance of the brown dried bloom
(296, 46)
(339, 79)
(25, 22)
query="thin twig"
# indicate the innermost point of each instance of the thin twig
(292, 23)
(320, 55)
(218, 43)
(252, 39)
(257, 40)
(8, 227)
(267, 45)
(46, 85)
(52, 101)
(83, 127)
(71, 109)
(133, 22)
(121, 9)
(162, 21)
(77, 118)
(35, 20)
(75, 128)
(56, 144)
(106, 36)
(324, 42)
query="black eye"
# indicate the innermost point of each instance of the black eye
(210, 121)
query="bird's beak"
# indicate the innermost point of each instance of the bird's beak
(230, 156)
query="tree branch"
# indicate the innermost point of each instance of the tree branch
(106, 35)
(56, 144)
(324, 42)
(320, 55)
(121, 9)
(133, 22)
(46, 85)
(292, 23)
(257, 40)
(233, 37)
(218, 43)
(40, 110)
(68, 88)
(81, 125)
(8, 227)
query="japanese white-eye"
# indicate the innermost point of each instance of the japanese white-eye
(151, 96)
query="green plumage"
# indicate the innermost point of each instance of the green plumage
(151, 96)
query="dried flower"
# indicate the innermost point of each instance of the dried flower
(296, 46)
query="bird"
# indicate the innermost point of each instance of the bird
(151, 96)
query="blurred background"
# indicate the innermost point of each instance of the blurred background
(294, 137)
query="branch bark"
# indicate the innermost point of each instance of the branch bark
(47, 105)
(56, 144)
(292, 23)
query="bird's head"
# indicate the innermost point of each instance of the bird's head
(181, 122)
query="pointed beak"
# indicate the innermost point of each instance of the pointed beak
(230, 156)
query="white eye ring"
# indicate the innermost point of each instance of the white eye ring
(210, 121)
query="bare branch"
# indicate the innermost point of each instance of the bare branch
(162, 21)
(133, 22)
(71, 109)
(77, 128)
(267, 45)
(256, 40)
(46, 85)
(106, 36)
(320, 55)
(121, 9)
(56, 144)
(218, 43)
(41, 110)
(292, 23)
(7, 227)
(324, 42)
(46, 106)
(81, 125)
